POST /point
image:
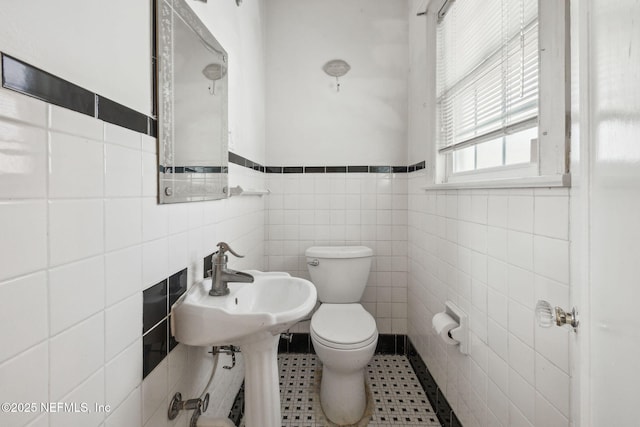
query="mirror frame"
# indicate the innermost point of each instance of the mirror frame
(177, 183)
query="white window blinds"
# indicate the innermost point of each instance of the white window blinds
(487, 71)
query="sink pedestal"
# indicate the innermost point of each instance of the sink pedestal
(261, 381)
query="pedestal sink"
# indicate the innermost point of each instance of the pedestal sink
(251, 316)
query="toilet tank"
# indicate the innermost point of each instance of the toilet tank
(339, 273)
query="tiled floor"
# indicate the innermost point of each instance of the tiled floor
(398, 398)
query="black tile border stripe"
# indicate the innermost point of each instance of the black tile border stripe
(357, 169)
(117, 114)
(34, 82)
(315, 169)
(193, 169)
(243, 161)
(444, 412)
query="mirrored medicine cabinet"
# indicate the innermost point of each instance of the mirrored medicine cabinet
(192, 106)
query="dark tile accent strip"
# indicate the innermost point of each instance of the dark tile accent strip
(443, 409)
(292, 169)
(154, 305)
(193, 169)
(34, 82)
(300, 343)
(386, 344)
(391, 344)
(157, 339)
(172, 340)
(154, 348)
(283, 346)
(455, 422)
(239, 160)
(336, 169)
(401, 344)
(417, 166)
(379, 169)
(152, 127)
(237, 410)
(117, 114)
(242, 161)
(358, 169)
(177, 286)
(438, 401)
(314, 169)
(31, 81)
(236, 159)
(208, 265)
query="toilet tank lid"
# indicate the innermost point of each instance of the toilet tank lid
(339, 252)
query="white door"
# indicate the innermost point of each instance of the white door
(606, 211)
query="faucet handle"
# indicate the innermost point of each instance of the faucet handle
(224, 247)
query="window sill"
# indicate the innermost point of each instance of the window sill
(521, 182)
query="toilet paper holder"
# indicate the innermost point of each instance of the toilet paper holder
(461, 333)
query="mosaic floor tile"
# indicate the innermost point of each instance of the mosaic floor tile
(397, 397)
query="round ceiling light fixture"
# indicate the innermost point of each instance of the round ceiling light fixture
(336, 68)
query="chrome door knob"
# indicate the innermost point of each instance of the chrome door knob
(548, 315)
(544, 314)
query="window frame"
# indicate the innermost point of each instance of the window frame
(551, 167)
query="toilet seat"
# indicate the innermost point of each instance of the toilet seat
(343, 326)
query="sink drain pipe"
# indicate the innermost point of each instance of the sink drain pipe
(200, 404)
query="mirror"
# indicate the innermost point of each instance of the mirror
(192, 107)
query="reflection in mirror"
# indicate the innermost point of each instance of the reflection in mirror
(192, 107)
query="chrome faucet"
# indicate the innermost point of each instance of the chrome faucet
(221, 275)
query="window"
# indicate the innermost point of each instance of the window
(495, 65)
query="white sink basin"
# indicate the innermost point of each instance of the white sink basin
(251, 316)
(271, 304)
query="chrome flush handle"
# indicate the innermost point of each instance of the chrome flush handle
(315, 262)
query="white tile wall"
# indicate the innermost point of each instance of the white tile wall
(23, 247)
(76, 229)
(81, 239)
(123, 373)
(344, 209)
(90, 391)
(28, 377)
(129, 413)
(28, 327)
(494, 253)
(75, 354)
(123, 223)
(122, 325)
(25, 175)
(76, 291)
(75, 167)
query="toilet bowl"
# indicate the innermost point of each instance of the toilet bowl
(343, 333)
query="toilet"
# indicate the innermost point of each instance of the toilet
(343, 333)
